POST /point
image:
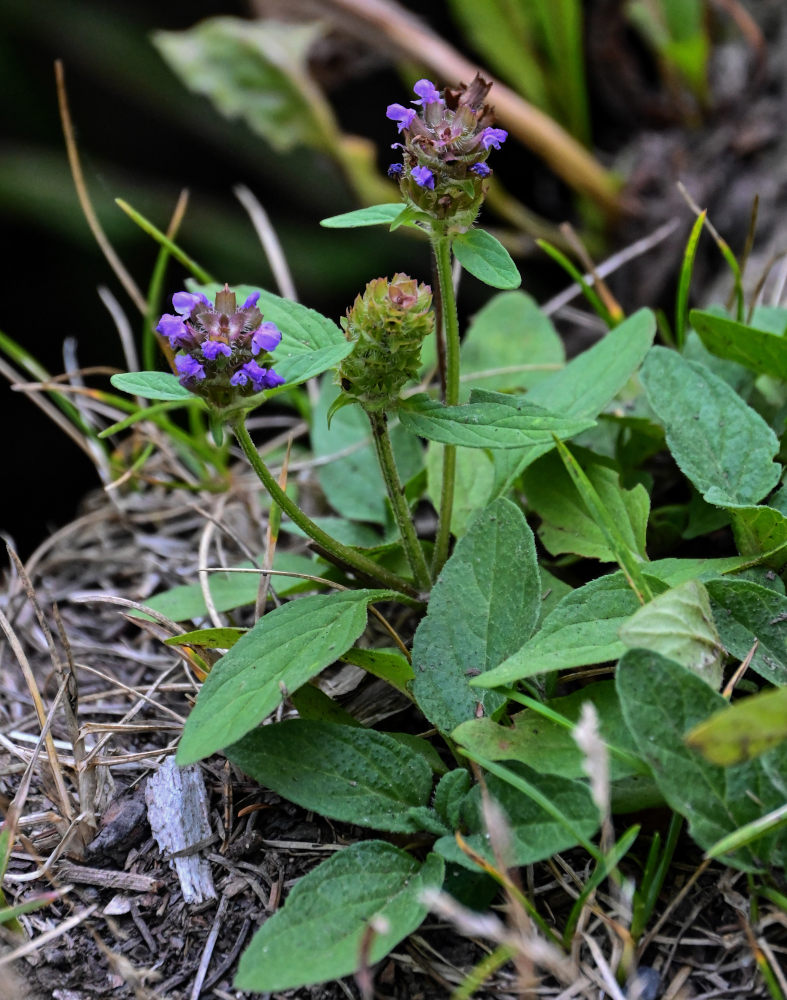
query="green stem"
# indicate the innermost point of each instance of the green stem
(441, 246)
(362, 564)
(385, 456)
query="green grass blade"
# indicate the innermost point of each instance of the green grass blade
(533, 793)
(199, 272)
(749, 832)
(687, 268)
(608, 864)
(628, 561)
(587, 290)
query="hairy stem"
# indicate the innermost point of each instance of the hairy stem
(441, 246)
(344, 555)
(385, 456)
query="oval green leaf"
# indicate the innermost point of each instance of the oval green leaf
(483, 607)
(719, 442)
(372, 215)
(345, 773)
(152, 385)
(318, 934)
(286, 648)
(486, 258)
(516, 424)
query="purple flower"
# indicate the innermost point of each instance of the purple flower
(480, 170)
(427, 91)
(491, 138)
(251, 300)
(423, 177)
(174, 329)
(395, 170)
(398, 113)
(211, 349)
(184, 302)
(260, 378)
(189, 368)
(266, 338)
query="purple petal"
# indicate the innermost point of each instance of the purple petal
(261, 378)
(266, 338)
(251, 300)
(480, 170)
(189, 368)
(174, 329)
(398, 113)
(395, 171)
(427, 91)
(211, 349)
(184, 302)
(491, 138)
(272, 379)
(423, 177)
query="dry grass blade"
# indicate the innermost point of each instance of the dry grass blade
(207, 952)
(60, 786)
(20, 384)
(96, 229)
(270, 241)
(51, 935)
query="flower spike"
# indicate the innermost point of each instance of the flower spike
(224, 349)
(444, 148)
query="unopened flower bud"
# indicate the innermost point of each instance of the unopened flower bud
(387, 325)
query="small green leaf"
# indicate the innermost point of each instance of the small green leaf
(449, 795)
(743, 730)
(318, 933)
(286, 648)
(208, 638)
(483, 607)
(722, 445)
(744, 612)
(582, 630)
(749, 832)
(372, 215)
(535, 832)
(662, 702)
(345, 773)
(679, 625)
(486, 258)
(760, 531)
(389, 665)
(152, 385)
(566, 523)
(516, 424)
(758, 350)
